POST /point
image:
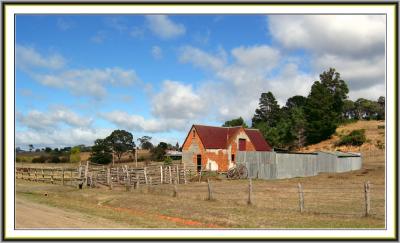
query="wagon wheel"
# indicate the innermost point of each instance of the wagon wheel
(233, 173)
(242, 171)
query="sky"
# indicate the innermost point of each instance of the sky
(79, 77)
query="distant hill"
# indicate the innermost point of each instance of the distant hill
(374, 132)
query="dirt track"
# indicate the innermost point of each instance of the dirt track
(33, 215)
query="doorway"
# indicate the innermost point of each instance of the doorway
(198, 162)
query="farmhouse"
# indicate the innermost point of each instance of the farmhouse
(214, 148)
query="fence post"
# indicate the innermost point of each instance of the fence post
(210, 196)
(367, 198)
(36, 179)
(137, 181)
(62, 178)
(51, 176)
(175, 193)
(108, 175)
(80, 171)
(145, 175)
(43, 175)
(301, 197)
(184, 173)
(177, 174)
(170, 175)
(117, 174)
(128, 181)
(86, 172)
(161, 174)
(250, 198)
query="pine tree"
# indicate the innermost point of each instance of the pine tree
(268, 111)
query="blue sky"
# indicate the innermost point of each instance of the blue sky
(78, 77)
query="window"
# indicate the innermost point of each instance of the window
(232, 157)
(194, 133)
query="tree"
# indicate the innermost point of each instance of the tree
(177, 146)
(75, 155)
(158, 153)
(381, 111)
(296, 101)
(235, 122)
(101, 152)
(48, 150)
(349, 110)
(30, 147)
(268, 111)
(121, 141)
(324, 106)
(145, 142)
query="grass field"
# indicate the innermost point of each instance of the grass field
(331, 201)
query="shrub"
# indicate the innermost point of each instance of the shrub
(41, 159)
(167, 161)
(354, 138)
(64, 159)
(380, 144)
(75, 157)
(55, 159)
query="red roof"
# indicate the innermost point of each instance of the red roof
(258, 140)
(218, 137)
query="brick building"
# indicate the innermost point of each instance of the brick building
(214, 148)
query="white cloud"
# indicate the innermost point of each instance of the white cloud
(156, 52)
(91, 82)
(201, 59)
(138, 123)
(27, 58)
(262, 56)
(52, 119)
(352, 44)
(164, 27)
(237, 85)
(60, 137)
(339, 34)
(178, 101)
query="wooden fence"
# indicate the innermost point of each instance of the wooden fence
(50, 175)
(94, 175)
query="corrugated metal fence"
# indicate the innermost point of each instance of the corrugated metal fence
(272, 165)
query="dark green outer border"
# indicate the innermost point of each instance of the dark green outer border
(395, 5)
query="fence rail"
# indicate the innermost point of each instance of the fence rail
(93, 175)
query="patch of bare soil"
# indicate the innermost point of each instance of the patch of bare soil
(30, 215)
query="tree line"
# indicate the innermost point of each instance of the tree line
(309, 120)
(120, 142)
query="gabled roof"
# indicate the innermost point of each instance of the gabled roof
(258, 140)
(218, 137)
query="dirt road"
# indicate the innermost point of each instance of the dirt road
(33, 215)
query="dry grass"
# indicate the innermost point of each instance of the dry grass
(373, 134)
(331, 201)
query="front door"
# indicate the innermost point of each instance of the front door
(198, 162)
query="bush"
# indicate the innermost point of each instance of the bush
(64, 159)
(354, 138)
(55, 159)
(167, 161)
(380, 144)
(41, 159)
